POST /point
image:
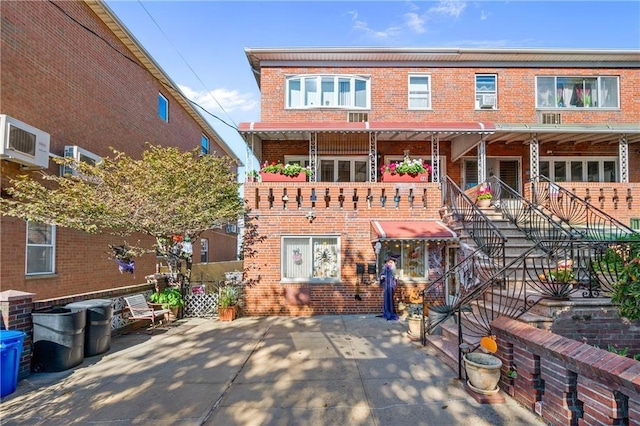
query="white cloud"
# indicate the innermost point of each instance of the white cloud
(415, 22)
(219, 100)
(376, 34)
(483, 15)
(449, 7)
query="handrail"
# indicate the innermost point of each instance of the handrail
(483, 232)
(528, 218)
(588, 220)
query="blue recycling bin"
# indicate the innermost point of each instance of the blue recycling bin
(11, 342)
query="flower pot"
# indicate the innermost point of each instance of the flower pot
(483, 372)
(414, 328)
(420, 177)
(227, 314)
(484, 203)
(277, 177)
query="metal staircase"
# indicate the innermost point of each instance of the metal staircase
(519, 258)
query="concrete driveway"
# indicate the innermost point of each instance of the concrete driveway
(324, 370)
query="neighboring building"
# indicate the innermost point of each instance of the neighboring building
(569, 115)
(74, 76)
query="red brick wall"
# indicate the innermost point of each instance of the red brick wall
(351, 224)
(566, 381)
(453, 95)
(87, 90)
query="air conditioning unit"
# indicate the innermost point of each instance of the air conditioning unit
(80, 155)
(487, 101)
(23, 144)
(232, 229)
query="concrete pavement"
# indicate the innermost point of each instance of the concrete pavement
(324, 370)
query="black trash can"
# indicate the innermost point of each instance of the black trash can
(58, 339)
(97, 332)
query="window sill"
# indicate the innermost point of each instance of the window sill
(304, 282)
(40, 276)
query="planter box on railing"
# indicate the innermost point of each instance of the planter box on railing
(420, 177)
(277, 177)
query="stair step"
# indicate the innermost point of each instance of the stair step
(445, 349)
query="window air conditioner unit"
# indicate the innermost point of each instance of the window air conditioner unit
(23, 144)
(487, 101)
(80, 155)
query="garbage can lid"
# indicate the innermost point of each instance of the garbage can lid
(92, 303)
(10, 335)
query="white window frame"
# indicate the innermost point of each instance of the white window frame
(413, 94)
(485, 92)
(163, 108)
(548, 91)
(310, 93)
(585, 171)
(310, 258)
(304, 161)
(204, 250)
(204, 145)
(51, 245)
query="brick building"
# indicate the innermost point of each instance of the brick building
(520, 115)
(75, 76)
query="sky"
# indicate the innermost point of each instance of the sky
(200, 44)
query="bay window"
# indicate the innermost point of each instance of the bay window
(328, 91)
(310, 258)
(577, 92)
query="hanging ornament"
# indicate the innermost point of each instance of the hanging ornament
(297, 257)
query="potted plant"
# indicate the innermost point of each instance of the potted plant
(252, 176)
(228, 299)
(278, 172)
(170, 298)
(406, 169)
(483, 197)
(414, 321)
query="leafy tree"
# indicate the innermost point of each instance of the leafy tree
(164, 194)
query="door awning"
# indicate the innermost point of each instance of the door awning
(430, 230)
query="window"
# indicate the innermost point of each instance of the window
(327, 91)
(204, 250)
(163, 108)
(314, 258)
(577, 92)
(579, 169)
(41, 241)
(413, 257)
(337, 169)
(486, 91)
(204, 145)
(419, 92)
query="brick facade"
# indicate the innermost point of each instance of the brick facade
(84, 87)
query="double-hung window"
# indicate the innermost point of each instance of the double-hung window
(577, 92)
(328, 91)
(163, 108)
(41, 243)
(204, 145)
(310, 258)
(419, 91)
(486, 91)
(204, 250)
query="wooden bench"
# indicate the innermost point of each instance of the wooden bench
(140, 309)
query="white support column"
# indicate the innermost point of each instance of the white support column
(373, 157)
(435, 158)
(313, 155)
(534, 158)
(482, 161)
(623, 153)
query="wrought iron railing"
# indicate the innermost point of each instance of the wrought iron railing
(484, 233)
(538, 226)
(578, 213)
